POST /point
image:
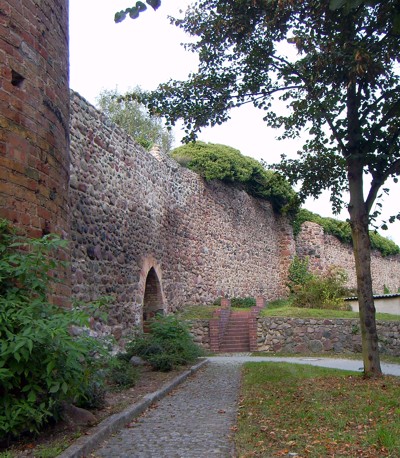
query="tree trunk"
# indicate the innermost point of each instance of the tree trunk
(359, 219)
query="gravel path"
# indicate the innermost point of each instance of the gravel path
(192, 422)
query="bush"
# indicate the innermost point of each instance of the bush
(298, 273)
(167, 346)
(41, 364)
(323, 292)
(221, 162)
(243, 302)
(121, 373)
(94, 394)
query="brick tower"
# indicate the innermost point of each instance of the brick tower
(34, 117)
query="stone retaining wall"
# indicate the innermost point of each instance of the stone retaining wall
(200, 329)
(299, 335)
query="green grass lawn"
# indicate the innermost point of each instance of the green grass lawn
(196, 312)
(283, 308)
(296, 312)
(280, 308)
(316, 412)
(201, 312)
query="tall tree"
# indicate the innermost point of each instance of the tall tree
(342, 87)
(135, 120)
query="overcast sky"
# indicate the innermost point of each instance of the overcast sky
(147, 51)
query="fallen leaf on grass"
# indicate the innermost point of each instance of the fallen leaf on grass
(282, 452)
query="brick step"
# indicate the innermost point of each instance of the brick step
(229, 335)
(236, 338)
(235, 342)
(235, 345)
(238, 327)
(236, 334)
(237, 331)
(237, 349)
(238, 323)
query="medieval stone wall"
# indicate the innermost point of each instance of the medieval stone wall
(325, 250)
(34, 117)
(133, 211)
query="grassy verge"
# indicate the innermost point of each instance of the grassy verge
(196, 312)
(202, 312)
(284, 309)
(354, 356)
(316, 412)
(279, 308)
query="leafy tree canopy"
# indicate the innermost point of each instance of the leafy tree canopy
(135, 120)
(239, 45)
(347, 5)
(221, 162)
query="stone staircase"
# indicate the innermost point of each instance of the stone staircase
(236, 338)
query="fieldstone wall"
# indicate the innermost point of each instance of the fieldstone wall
(133, 211)
(297, 335)
(200, 330)
(326, 250)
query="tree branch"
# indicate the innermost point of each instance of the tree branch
(378, 181)
(316, 98)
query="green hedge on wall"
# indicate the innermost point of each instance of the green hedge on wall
(221, 162)
(341, 230)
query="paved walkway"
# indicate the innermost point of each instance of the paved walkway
(195, 421)
(192, 422)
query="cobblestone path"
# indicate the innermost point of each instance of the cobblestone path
(192, 422)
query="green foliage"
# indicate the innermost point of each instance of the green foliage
(134, 119)
(278, 304)
(134, 11)
(323, 292)
(386, 290)
(121, 373)
(167, 346)
(94, 393)
(298, 274)
(385, 246)
(221, 162)
(196, 312)
(286, 310)
(243, 302)
(40, 362)
(342, 230)
(239, 302)
(242, 61)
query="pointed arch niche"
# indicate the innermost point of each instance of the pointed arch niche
(153, 302)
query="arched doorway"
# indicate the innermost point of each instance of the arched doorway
(153, 299)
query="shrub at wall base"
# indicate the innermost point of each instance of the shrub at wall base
(41, 364)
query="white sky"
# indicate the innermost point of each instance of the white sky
(147, 51)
